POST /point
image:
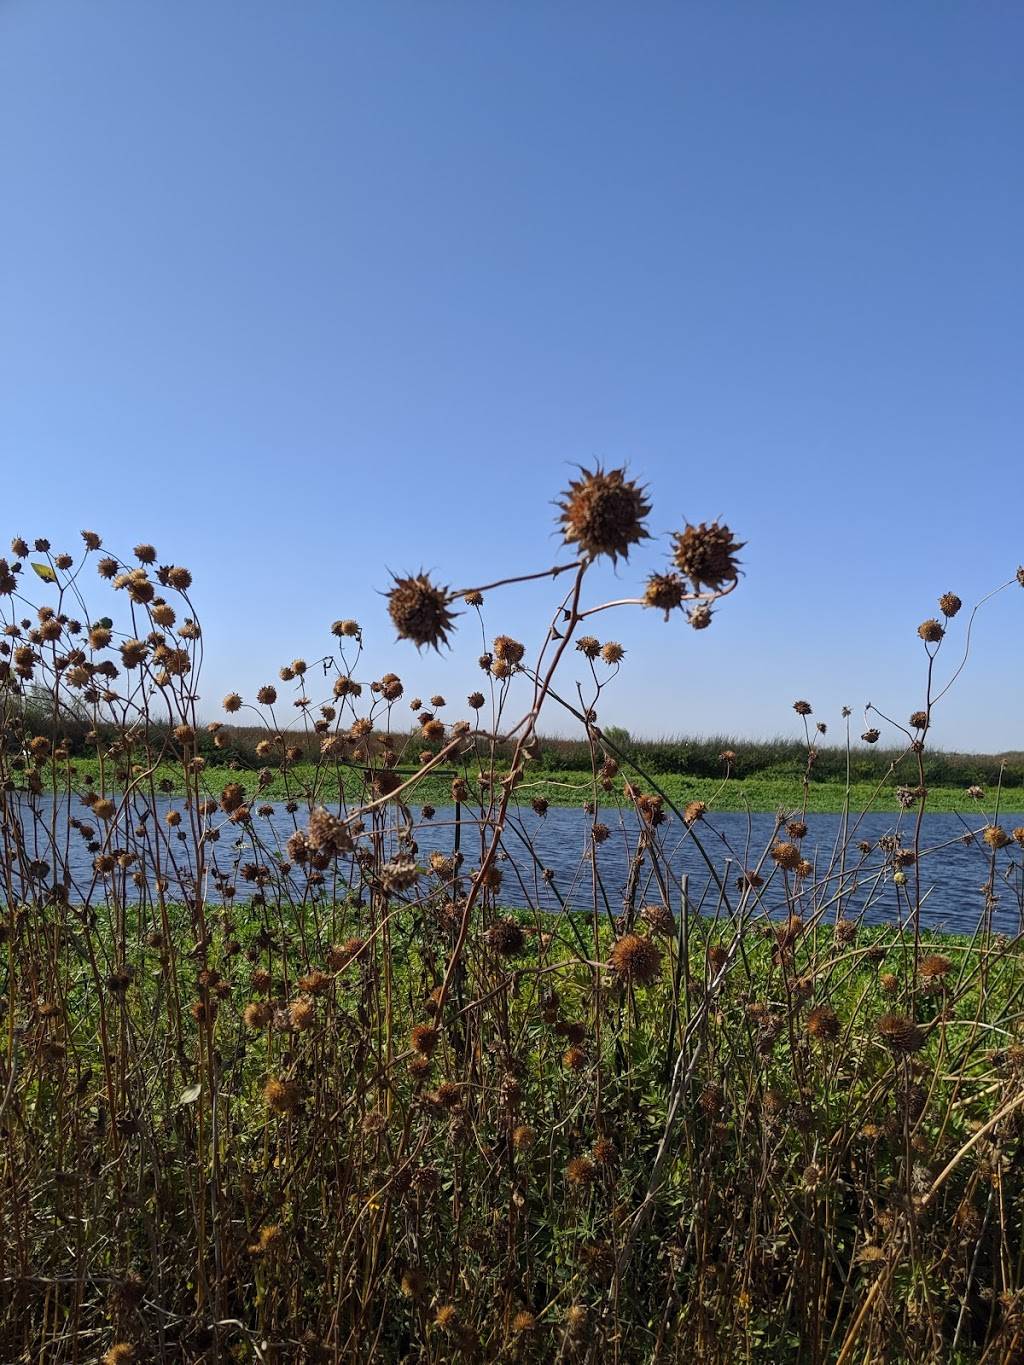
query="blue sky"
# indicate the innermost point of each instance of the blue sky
(304, 292)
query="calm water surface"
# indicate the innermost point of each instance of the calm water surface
(952, 873)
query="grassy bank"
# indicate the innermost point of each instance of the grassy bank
(572, 788)
(291, 1146)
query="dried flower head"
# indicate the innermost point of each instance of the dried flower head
(900, 1033)
(523, 1137)
(506, 937)
(121, 1353)
(934, 965)
(659, 919)
(602, 512)
(802, 708)
(931, 631)
(949, 604)
(664, 592)
(581, 1171)
(823, 1022)
(424, 1038)
(706, 555)
(282, 1096)
(995, 836)
(419, 610)
(787, 855)
(636, 960)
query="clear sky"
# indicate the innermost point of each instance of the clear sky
(300, 292)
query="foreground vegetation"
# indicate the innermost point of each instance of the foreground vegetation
(314, 1096)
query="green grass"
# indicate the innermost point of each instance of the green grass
(572, 788)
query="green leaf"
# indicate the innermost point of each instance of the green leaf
(45, 573)
(190, 1094)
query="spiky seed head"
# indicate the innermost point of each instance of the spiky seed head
(823, 1022)
(787, 855)
(581, 1171)
(900, 1033)
(446, 1318)
(995, 836)
(509, 651)
(121, 1353)
(706, 555)
(919, 720)
(694, 811)
(949, 604)
(664, 592)
(523, 1137)
(931, 631)
(802, 708)
(871, 736)
(282, 1096)
(419, 610)
(934, 965)
(660, 919)
(636, 960)
(423, 1039)
(575, 1318)
(506, 937)
(602, 512)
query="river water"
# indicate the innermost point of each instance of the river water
(952, 873)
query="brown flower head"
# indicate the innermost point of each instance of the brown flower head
(823, 1022)
(949, 604)
(282, 1096)
(581, 1171)
(900, 1033)
(786, 855)
(636, 960)
(506, 937)
(660, 919)
(419, 610)
(934, 966)
(602, 512)
(706, 555)
(509, 651)
(931, 631)
(424, 1039)
(664, 592)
